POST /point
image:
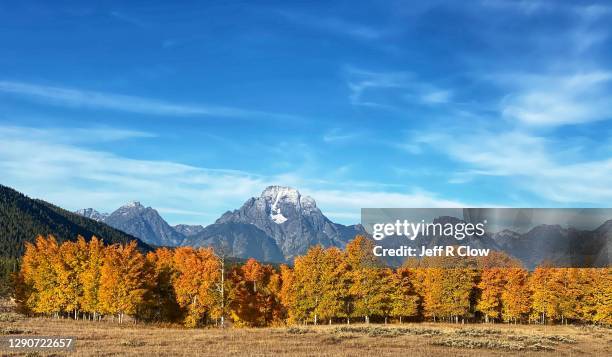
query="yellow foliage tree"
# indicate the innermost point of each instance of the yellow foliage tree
(491, 286)
(333, 284)
(404, 298)
(90, 277)
(288, 294)
(602, 295)
(39, 272)
(515, 295)
(123, 280)
(307, 281)
(70, 264)
(544, 305)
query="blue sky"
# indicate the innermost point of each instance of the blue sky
(192, 108)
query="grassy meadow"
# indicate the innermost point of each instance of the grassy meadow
(416, 339)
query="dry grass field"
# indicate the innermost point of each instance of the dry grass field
(424, 339)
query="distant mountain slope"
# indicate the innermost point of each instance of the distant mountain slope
(559, 246)
(188, 230)
(23, 218)
(239, 240)
(144, 223)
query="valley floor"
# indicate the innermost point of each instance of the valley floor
(424, 339)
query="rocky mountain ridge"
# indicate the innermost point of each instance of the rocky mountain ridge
(281, 224)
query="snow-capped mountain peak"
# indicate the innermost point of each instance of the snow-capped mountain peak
(130, 209)
(133, 204)
(291, 219)
(275, 193)
(278, 197)
(92, 213)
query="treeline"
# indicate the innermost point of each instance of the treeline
(8, 266)
(88, 280)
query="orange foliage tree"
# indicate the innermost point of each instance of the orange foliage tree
(198, 271)
(123, 280)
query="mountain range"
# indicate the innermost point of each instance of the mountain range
(558, 245)
(276, 226)
(282, 223)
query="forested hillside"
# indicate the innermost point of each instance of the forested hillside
(23, 218)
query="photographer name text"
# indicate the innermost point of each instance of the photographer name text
(436, 251)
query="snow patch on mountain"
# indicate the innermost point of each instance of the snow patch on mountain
(275, 212)
(278, 218)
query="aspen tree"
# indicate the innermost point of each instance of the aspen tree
(252, 272)
(195, 284)
(404, 298)
(515, 295)
(491, 286)
(162, 299)
(123, 280)
(333, 272)
(90, 277)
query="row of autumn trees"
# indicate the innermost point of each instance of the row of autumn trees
(89, 280)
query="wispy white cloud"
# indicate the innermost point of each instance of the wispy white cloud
(75, 177)
(75, 135)
(436, 96)
(356, 200)
(123, 17)
(90, 99)
(337, 135)
(508, 134)
(63, 172)
(346, 206)
(516, 144)
(361, 81)
(587, 25)
(586, 9)
(588, 31)
(552, 100)
(335, 25)
(530, 162)
(389, 90)
(527, 7)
